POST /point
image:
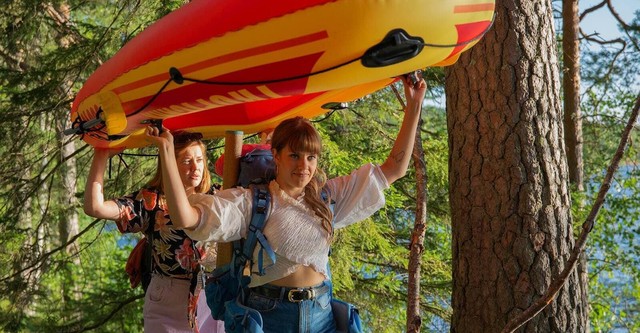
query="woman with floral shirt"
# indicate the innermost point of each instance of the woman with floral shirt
(171, 298)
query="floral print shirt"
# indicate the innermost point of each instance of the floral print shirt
(174, 253)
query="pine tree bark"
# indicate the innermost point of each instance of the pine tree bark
(509, 191)
(573, 119)
(571, 88)
(414, 318)
(68, 225)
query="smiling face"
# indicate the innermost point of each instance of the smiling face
(295, 170)
(296, 147)
(191, 164)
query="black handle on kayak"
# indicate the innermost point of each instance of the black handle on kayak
(157, 123)
(395, 47)
(83, 127)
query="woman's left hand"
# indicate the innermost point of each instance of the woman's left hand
(414, 93)
(160, 140)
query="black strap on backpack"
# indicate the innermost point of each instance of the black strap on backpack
(147, 257)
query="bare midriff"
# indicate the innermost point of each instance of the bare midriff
(304, 276)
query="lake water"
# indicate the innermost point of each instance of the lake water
(613, 248)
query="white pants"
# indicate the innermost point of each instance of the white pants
(166, 306)
(206, 323)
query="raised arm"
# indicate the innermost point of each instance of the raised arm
(183, 215)
(94, 203)
(396, 164)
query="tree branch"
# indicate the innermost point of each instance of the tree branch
(50, 253)
(110, 315)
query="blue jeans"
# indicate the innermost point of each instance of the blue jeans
(308, 316)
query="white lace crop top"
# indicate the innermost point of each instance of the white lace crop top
(293, 230)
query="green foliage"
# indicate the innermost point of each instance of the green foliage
(611, 75)
(44, 286)
(615, 255)
(97, 277)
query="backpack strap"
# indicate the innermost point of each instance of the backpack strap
(243, 253)
(324, 194)
(147, 254)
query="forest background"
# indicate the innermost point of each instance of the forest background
(61, 271)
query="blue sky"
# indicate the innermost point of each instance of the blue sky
(602, 21)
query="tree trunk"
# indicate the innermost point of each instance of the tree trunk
(509, 193)
(414, 319)
(68, 225)
(573, 120)
(571, 87)
(26, 264)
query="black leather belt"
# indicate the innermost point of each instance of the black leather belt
(293, 295)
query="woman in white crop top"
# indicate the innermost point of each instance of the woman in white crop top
(294, 293)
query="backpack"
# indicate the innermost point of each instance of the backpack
(139, 264)
(227, 287)
(256, 167)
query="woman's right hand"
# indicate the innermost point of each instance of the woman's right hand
(103, 154)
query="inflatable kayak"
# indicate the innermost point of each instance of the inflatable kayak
(210, 55)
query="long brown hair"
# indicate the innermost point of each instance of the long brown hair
(181, 141)
(299, 134)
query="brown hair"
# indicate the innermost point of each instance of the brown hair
(299, 134)
(182, 140)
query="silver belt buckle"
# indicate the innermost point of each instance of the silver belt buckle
(310, 291)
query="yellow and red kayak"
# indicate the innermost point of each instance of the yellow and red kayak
(213, 66)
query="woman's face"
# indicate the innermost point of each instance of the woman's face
(191, 166)
(295, 170)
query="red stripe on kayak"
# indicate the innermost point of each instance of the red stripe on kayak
(480, 7)
(190, 94)
(468, 32)
(239, 114)
(258, 50)
(310, 38)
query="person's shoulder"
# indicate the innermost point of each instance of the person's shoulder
(232, 193)
(151, 197)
